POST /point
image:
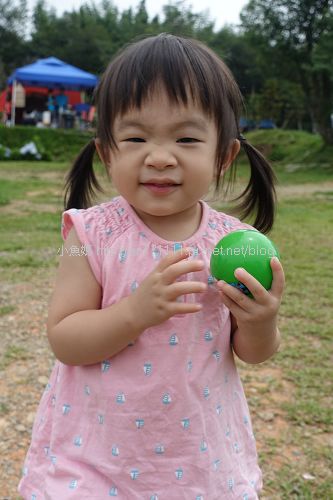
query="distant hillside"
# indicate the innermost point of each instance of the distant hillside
(294, 147)
(291, 148)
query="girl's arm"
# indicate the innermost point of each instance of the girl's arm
(81, 333)
(255, 335)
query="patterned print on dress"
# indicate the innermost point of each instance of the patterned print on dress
(120, 398)
(189, 366)
(105, 365)
(159, 449)
(185, 423)
(216, 355)
(100, 419)
(139, 422)
(87, 390)
(211, 280)
(147, 368)
(177, 246)
(73, 484)
(203, 445)
(122, 255)
(156, 254)
(173, 339)
(154, 497)
(113, 492)
(179, 473)
(134, 286)
(216, 464)
(78, 441)
(66, 409)
(108, 231)
(115, 450)
(195, 251)
(166, 399)
(231, 483)
(134, 474)
(206, 392)
(219, 409)
(208, 336)
(227, 224)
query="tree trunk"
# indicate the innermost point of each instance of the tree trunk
(322, 108)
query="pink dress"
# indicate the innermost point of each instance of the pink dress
(164, 419)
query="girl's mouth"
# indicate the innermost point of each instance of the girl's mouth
(164, 188)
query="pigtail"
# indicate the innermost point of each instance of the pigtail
(81, 183)
(259, 196)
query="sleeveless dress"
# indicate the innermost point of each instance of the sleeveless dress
(164, 419)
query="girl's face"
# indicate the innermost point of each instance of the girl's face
(166, 158)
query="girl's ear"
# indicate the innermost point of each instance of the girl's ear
(231, 155)
(103, 156)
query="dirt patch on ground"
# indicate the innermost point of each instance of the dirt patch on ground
(299, 191)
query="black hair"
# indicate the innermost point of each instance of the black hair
(188, 70)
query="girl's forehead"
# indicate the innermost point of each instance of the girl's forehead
(159, 105)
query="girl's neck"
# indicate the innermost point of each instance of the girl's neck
(177, 227)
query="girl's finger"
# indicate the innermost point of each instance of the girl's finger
(234, 308)
(175, 270)
(172, 258)
(185, 287)
(258, 292)
(185, 308)
(238, 297)
(278, 277)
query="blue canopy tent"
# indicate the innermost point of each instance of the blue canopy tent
(51, 73)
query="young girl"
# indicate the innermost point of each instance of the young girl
(144, 401)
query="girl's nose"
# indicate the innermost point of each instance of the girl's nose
(160, 158)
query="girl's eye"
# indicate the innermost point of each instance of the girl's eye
(135, 139)
(186, 140)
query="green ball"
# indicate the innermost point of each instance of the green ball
(246, 248)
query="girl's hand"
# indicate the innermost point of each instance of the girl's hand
(259, 313)
(255, 335)
(155, 300)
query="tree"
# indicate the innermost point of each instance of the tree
(12, 45)
(297, 35)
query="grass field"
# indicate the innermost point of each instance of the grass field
(290, 396)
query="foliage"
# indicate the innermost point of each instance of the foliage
(295, 41)
(53, 144)
(280, 54)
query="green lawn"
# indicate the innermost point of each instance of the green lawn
(291, 395)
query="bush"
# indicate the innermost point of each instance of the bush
(52, 144)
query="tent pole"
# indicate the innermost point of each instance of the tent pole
(12, 120)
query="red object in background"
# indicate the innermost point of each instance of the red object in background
(74, 96)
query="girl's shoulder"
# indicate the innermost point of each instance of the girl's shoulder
(106, 220)
(224, 223)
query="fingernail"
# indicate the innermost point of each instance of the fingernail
(239, 270)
